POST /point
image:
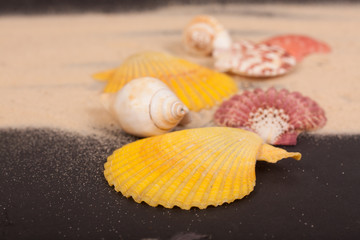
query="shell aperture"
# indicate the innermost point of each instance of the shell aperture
(196, 86)
(190, 168)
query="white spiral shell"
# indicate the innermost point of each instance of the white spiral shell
(146, 107)
(203, 34)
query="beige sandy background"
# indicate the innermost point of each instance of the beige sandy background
(46, 61)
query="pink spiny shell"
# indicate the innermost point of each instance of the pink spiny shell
(299, 46)
(254, 60)
(277, 116)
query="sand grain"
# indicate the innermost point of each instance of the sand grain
(46, 61)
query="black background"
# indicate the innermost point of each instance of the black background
(52, 187)
(69, 6)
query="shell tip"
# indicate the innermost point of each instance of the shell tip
(103, 76)
(296, 156)
(272, 154)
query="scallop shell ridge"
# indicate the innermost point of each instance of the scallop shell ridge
(217, 166)
(196, 86)
(277, 116)
(299, 46)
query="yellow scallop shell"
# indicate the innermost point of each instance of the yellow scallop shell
(190, 168)
(196, 86)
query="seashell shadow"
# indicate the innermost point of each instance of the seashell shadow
(177, 49)
(262, 78)
(104, 123)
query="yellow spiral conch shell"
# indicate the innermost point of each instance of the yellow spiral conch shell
(190, 168)
(196, 86)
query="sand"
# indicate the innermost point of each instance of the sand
(46, 61)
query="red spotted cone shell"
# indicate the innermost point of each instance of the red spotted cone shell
(255, 60)
(278, 116)
(299, 46)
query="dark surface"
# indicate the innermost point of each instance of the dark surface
(65, 6)
(52, 187)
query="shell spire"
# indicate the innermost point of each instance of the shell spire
(196, 86)
(190, 168)
(166, 110)
(146, 107)
(204, 34)
(277, 116)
